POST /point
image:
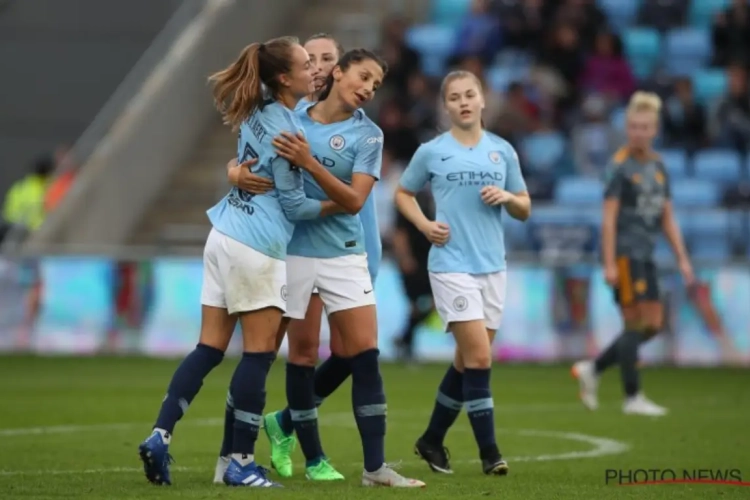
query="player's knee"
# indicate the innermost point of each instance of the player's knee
(303, 349)
(633, 325)
(651, 329)
(479, 359)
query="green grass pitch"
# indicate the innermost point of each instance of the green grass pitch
(70, 427)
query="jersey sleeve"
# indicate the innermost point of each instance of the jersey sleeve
(514, 182)
(667, 183)
(417, 172)
(614, 181)
(369, 156)
(290, 187)
(373, 246)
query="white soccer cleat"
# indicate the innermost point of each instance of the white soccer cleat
(641, 405)
(221, 467)
(588, 381)
(386, 476)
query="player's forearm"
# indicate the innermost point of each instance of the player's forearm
(346, 197)
(519, 206)
(674, 237)
(608, 242)
(330, 208)
(410, 209)
(401, 246)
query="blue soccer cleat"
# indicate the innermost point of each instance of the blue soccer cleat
(252, 475)
(154, 452)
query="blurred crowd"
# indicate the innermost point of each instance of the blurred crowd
(573, 78)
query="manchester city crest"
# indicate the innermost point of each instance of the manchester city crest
(495, 156)
(337, 143)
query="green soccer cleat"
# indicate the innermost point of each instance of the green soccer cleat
(282, 445)
(323, 471)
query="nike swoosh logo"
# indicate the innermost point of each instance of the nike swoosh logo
(368, 291)
(446, 158)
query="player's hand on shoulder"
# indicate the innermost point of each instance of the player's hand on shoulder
(293, 148)
(494, 196)
(438, 233)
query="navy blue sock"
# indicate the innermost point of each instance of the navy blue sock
(299, 393)
(368, 399)
(186, 382)
(479, 406)
(248, 389)
(448, 404)
(226, 443)
(329, 376)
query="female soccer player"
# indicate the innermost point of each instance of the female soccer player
(304, 334)
(343, 158)
(637, 208)
(473, 175)
(244, 268)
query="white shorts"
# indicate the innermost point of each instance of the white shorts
(240, 279)
(342, 282)
(469, 297)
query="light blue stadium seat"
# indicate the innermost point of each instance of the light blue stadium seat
(703, 12)
(706, 224)
(709, 84)
(620, 14)
(663, 251)
(695, 193)
(579, 191)
(717, 249)
(643, 49)
(687, 50)
(543, 151)
(617, 119)
(450, 12)
(516, 232)
(719, 165)
(435, 44)
(676, 162)
(555, 215)
(500, 77)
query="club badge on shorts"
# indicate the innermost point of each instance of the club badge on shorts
(460, 304)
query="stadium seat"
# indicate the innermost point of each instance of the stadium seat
(620, 14)
(450, 12)
(706, 225)
(687, 50)
(516, 236)
(717, 249)
(643, 49)
(435, 44)
(579, 191)
(703, 12)
(663, 251)
(617, 119)
(695, 193)
(500, 77)
(543, 151)
(719, 165)
(555, 215)
(676, 162)
(709, 84)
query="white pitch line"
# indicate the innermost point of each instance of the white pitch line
(600, 447)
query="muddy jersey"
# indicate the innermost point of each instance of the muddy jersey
(642, 187)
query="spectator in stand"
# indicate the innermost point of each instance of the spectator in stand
(518, 116)
(594, 140)
(684, 119)
(663, 15)
(402, 60)
(65, 173)
(479, 34)
(522, 22)
(732, 119)
(731, 34)
(402, 139)
(607, 72)
(586, 18)
(418, 106)
(563, 54)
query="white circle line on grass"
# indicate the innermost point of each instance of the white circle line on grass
(600, 447)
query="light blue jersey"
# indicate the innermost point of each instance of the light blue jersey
(265, 222)
(354, 146)
(457, 174)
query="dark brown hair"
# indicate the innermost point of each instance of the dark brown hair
(238, 89)
(328, 36)
(354, 56)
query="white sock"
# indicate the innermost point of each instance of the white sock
(243, 459)
(166, 437)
